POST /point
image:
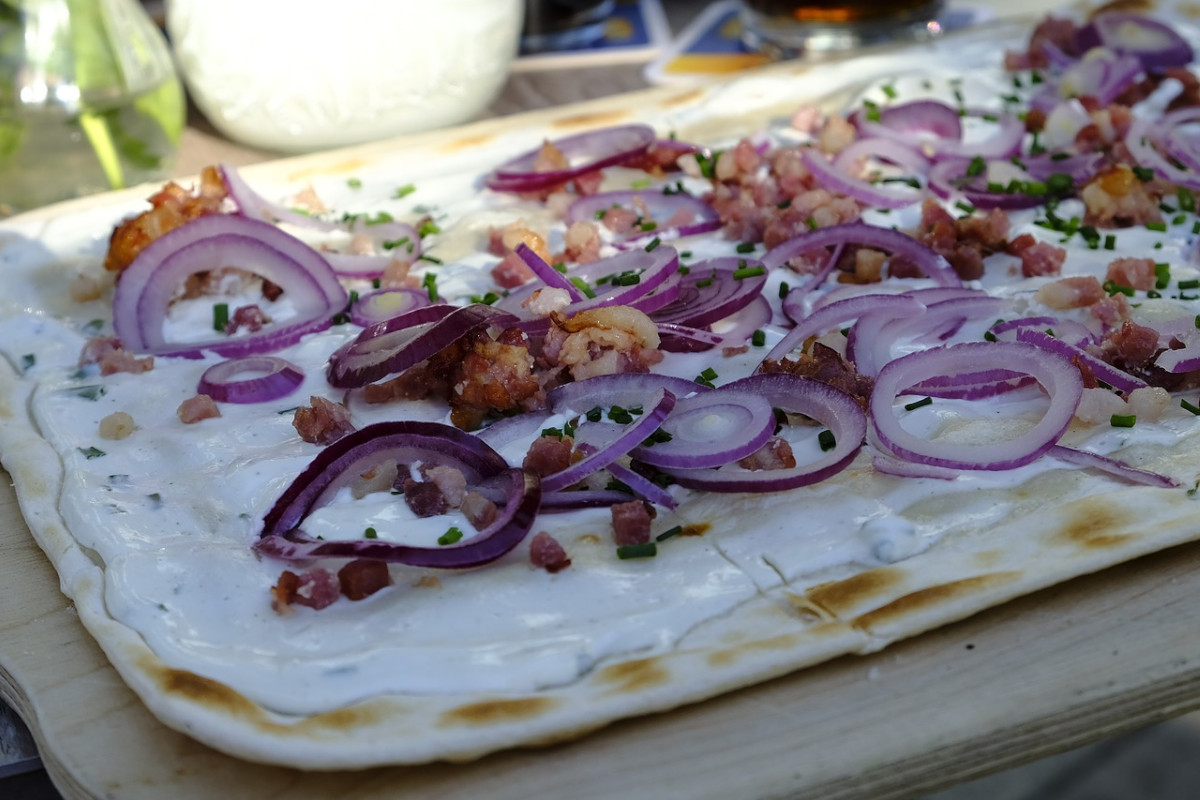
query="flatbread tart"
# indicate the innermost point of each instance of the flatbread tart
(488, 438)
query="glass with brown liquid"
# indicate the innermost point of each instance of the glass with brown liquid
(794, 28)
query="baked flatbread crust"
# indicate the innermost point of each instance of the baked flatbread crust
(1054, 526)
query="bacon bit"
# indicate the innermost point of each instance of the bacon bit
(323, 423)
(602, 341)
(836, 135)
(396, 276)
(548, 455)
(197, 408)
(172, 206)
(1038, 259)
(582, 242)
(450, 482)
(110, 355)
(1075, 292)
(362, 578)
(1110, 311)
(550, 159)
(1136, 273)
(117, 425)
(1117, 198)
(1134, 345)
(488, 376)
(478, 510)
(734, 350)
(544, 302)
(424, 498)
(316, 588)
(250, 317)
(631, 522)
(963, 242)
(823, 363)
(775, 454)
(545, 552)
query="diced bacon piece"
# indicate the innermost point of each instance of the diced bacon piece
(742, 159)
(124, 361)
(1110, 311)
(631, 522)
(823, 363)
(1116, 197)
(1041, 259)
(1136, 273)
(511, 272)
(250, 317)
(490, 376)
(117, 425)
(548, 455)
(806, 118)
(549, 159)
(323, 422)
(602, 341)
(197, 408)
(545, 552)
(396, 276)
(836, 134)
(424, 498)
(582, 242)
(450, 482)
(479, 510)
(545, 302)
(362, 578)
(1134, 345)
(316, 588)
(1074, 292)
(775, 454)
(97, 347)
(619, 220)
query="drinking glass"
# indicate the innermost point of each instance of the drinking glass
(814, 28)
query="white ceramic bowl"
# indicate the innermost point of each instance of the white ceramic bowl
(301, 75)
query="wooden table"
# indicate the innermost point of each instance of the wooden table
(1113, 652)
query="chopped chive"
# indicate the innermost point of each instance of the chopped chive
(1143, 174)
(220, 317)
(1192, 407)
(370, 533)
(758, 338)
(91, 452)
(826, 440)
(1187, 200)
(1160, 227)
(404, 191)
(27, 362)
(783, 290)
(1110, 241)
(595, 414)
(429, 258)
(1123, 420)
(647, 550)
(451, 536)
(924, 401)
(655, 242)
(1162, 275)
(748, 272)
(1192, 283)
(669, 533)
(430, 284)
(888, 90)
(354, 183)
(964, 207)
(428, 228)
(746, 247)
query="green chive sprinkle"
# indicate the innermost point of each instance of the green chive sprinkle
(924, 401)
(220, 317)
(746, 247)
(1192, 407)
(669, 533)
(1123, 420)
(758, 338)
(450, 537)
(628, 551)
(826, 440)
(370, 533)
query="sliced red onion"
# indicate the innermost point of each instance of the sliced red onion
(395, 345)
(899, 244)
(869, 343)
(677, 214)
(1057, 375)
(836, 315)
(1118, 379)
(711, 429)
(655, 270)
(360, 267)
(574, 499)
(908, 469)
(625, 389)
(878, 195)
(879, 148)
(674, 338)
(148, 286)
(836, 410)
(1155, 44)
(642, 486)
(585, 152)
(403, 442)
(1069, 330)
(1089, 460)
(972, 385)
(711, 291)
(549, 275)
(1181, 359)
(269, 378)
(1004, 142)
(1102, 74)
(1144, 140)
(384, 304)
(603, 447)
(387, 234)
(915, 124)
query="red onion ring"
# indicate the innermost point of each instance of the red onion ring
(1155, 44)
(1104, 371)
(660, 208)
(915, 124)
(833, 408)
(549, 275)
(922, 256)
(1056, 374)
(837, 314)
(272, 378)
(869, 194)
(1089, 460)
(949, 179)
(586, 152)
(710, 292)
(384, 304)
(395, 345)
(147, 286)
(711, 429)
(404, 442)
